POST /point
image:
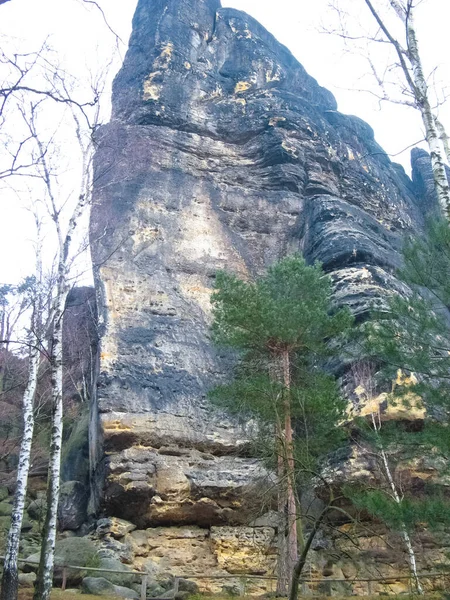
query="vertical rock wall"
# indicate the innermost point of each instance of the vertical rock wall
(222, 153)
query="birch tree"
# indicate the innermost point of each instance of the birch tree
(14, 302)
(64, 263)
(10, 580)
(364, 380)
(404, 80)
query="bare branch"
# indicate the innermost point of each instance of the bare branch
(100, 9)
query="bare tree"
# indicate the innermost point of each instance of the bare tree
(395, 29)
(14, 302)
(65, 239)
(28, 78)
(10, 580)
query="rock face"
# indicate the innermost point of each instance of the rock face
(222, 152)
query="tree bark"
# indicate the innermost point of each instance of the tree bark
(416, 81)
(403, 532)
(300, 564)
(444, 138)
(10, 578)
(292, 542)
(46, 564)
(282, 574)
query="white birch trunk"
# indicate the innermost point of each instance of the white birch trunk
(46, 565)
(422, 97)
(444, 138)
(411, 64)
(44, 581)
(10, 578)
(403, 532)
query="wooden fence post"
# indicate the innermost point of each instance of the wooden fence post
(144, 587)
(175, 588)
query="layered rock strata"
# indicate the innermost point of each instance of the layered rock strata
(222, 153)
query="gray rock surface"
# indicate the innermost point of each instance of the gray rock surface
(27, 579)
(222, 152)
(72, 505)
(37, 508)
(116, 572)
(99, 586)
(5, 509)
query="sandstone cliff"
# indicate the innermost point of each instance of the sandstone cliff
(222, 152)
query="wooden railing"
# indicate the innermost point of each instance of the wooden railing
(144, 575)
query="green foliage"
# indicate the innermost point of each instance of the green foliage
(412, 331)
(288, 307)
(434, 510)
(287, 311)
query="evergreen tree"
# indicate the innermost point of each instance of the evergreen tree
(282, 326)
(411, 331)
(408, 337)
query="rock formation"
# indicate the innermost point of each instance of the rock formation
(222, 153)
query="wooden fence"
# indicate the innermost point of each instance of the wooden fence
(243, 578)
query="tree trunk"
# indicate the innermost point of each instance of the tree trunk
(10, 580)
(2, 352)
(432, 136)
(292, 543)
(282, 574)
(417, 84)
(444, 138)
(46, 564)
(299, 566)
(404, 532)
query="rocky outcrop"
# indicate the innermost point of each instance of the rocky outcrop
(222, 152)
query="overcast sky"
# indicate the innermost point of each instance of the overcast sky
(84, 42)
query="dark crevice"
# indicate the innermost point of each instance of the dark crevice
(213, 31)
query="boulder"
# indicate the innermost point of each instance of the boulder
(124, 592)
(119, 576)
(154, 590)
(70, 551)
(36, 510)
(99, 586)
(72, 505)
(4, 523)
(27, 579)
(5, 509)
(187, 585)
(75, 551)
(117, 528)
(27, 525)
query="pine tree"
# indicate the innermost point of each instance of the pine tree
(281, 326)
(411, 330)
(408, 337)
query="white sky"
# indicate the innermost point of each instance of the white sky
(84, 43)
